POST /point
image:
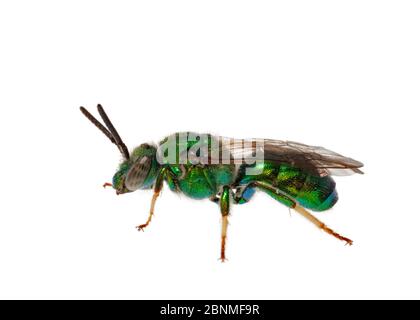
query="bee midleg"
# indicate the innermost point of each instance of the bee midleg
(225, 199)
(281, 197)
(157, 189)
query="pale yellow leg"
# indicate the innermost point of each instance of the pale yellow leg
(151, 212)
(320, 224)
(224, 235)
(157, 189)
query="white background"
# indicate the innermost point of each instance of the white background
(344, 75)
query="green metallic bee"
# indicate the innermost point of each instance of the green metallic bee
(229, 171)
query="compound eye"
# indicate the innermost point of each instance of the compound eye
(138, 173)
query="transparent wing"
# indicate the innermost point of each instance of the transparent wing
(316, 160)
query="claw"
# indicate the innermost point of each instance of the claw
(107, 184)
(141, 227)
(348, 241)
(223, 259)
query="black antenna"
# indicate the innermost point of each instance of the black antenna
(97, 124)
(111, 133)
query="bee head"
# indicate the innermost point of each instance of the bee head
(138, 170)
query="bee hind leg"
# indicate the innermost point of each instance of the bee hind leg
(281, 197)
(305, 213)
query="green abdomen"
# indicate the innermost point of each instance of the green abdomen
(312, 192)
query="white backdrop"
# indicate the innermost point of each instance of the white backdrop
(344, 75)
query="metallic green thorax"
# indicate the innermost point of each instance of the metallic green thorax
(197, 181)
(201, 181)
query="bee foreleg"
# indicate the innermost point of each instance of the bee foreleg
(157, 189)
(225, 199)
(291, 203)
